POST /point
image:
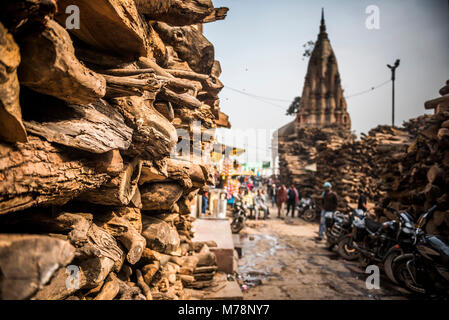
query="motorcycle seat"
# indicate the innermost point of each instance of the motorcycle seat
(372, 225)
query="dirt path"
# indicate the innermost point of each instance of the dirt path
(281, 260)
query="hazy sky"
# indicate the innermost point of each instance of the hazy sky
(259, 46)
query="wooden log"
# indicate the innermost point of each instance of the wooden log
(181, 84)
(149, 271)
(149, 256)
(217, 14)
(200, 284)
(99, 60)
(96, 127)
(39, 257)
(445, 90)
(110, 162)
(204, 276)
(76, 225)
(176, 12)
(105, 256)
(166, 109)
(16, 14)
(179, 99)
(129, 85)
(160, 196)
(434, 103)
(179, 169)
(144, 63)
(119, 190)
(56, 71)
(143, 286)
(185, 202)
(223, 121)
(133, 215)
(109, 25)
(40, 173)
(109, 291)
(57, 289)
(160, 235)
(153, 171)
(190, 45)
(186, 279)
(11, 126)
(125, 273)
(124, 232)
(154, 136)
(207, 269)
(126, 72)
(126, 290)
(189, 264)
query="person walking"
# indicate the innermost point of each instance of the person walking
(272, 195)
(281, 198)
(204, 199)
(292, 200)
(362, 202)
(329, 198)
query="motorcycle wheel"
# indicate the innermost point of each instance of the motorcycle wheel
(389, 264)
(236, 225)
(346, 251)
(309, 215)
(329, 244)
(403, 275)
(364, 261)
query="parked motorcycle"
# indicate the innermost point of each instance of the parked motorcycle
(339, 233)
(426, 269)
(373, 240)
(238, 221)
(306, 209)
(405, 238)
(337, 225)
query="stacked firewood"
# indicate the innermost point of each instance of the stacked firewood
(95, 198)
(353, 166)
(313, 156)
(418, 177)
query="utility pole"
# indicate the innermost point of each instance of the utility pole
(393, 78)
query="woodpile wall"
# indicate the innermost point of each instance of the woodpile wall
(419, 176)
(94, 203)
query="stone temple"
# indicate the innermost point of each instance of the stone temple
(321, 123)
(322, 101)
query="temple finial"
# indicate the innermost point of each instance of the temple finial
(323, 24)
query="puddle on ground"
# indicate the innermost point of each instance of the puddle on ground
(257, 251)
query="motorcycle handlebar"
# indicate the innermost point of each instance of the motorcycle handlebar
(432, 210)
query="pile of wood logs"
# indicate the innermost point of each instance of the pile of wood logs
(312, 156)
(419, 175)
(351, 165)
(94, 200)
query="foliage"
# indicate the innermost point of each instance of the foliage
(294, 106)
(308, 49)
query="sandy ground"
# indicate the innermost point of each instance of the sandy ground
(282, 260)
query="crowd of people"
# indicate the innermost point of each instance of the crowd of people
(288, 199)
(256, 193)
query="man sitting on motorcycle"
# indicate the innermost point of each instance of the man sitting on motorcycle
(329, 206)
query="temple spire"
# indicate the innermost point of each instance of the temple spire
(323, 24)
(322, 102)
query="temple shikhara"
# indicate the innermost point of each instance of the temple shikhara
(322, 101)
(322, 119)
